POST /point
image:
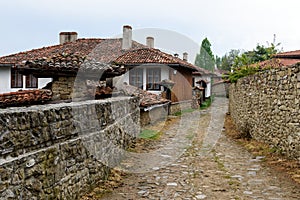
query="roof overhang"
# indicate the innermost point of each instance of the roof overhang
(6, 65)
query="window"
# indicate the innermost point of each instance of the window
(31, 81)
(153, 78)
(16, 79)
(136, 78)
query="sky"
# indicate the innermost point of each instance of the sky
(228, 24)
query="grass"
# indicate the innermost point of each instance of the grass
(150, 134)
(179, 113)
(206, 103)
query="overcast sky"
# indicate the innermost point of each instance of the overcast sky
(228, 24)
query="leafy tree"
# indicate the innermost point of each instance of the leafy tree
(237, 58)
(244, 63)
(205, 58)
(218, 62)
(260, 53)
(228, 59)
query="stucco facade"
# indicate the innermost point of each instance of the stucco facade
(5, 81)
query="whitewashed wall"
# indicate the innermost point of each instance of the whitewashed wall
(207, 78)
(5, 81)
(125, 77)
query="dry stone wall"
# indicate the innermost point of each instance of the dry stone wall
(266, 106)
(59, 151)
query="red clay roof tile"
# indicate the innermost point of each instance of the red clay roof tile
(25, 97)
(288, 54)
(153, 56)
(104, 50)
(277, 62)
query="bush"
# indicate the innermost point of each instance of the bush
(242, 72)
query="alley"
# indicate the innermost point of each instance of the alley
(194, 160)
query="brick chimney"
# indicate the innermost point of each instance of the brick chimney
(150, 42)
(185, 56)
(127, 37)
(67, 37)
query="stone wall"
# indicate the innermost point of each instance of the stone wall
(62, 88)
(266, 106)
(60, 151)
(153, 115)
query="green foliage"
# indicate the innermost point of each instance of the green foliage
(205, 59)
(206, 103)
(228, 59)
(149, 134)
(242, 72)
(236, 59)
(243, 64)
(218, 62)
(260, 53)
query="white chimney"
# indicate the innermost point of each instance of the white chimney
(67, 37)
(127, 37)
(150, 42)
(185, 56)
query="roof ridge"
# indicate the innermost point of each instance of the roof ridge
(293, 51)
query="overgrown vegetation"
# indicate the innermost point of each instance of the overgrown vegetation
(207, 103)
(150, 134)
(242, 63)
(242, 72)
(179, 113)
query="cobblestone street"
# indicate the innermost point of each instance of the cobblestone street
(200, 163)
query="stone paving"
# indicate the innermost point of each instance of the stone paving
(194, 160)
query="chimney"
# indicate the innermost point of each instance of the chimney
(185, 56)
(67, 37)
(150, 42)
(127, 37)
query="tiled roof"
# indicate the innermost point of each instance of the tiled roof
(277, 62)
(81, 47)
(282, 59)
(288, 54)
(25, 97)
(151, 56)
(200, 71)
(146, 98)
(69, 63)
(103, 50)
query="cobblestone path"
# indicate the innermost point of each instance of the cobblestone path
(194, 160)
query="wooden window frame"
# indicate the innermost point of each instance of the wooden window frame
(16, 79)
(31, 81)
(153, 78)
(134, 75)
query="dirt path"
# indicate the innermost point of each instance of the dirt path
(193, 160)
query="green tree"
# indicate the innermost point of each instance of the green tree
(218, 62)
(244, 63)
(228, 59)
(205, 58)
(260, 53)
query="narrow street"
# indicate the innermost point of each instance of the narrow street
(194, 160)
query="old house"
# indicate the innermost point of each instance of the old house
(72, 65)
(63, 63)
(148, 67)
(203, 79)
